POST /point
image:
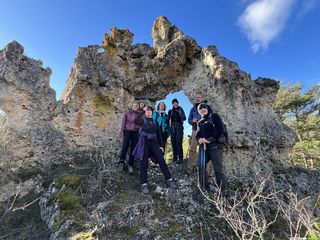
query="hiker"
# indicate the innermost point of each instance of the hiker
(130, 133)
(210, 128)
(150, 143)
(161, 117)
(176, 116)
(141, 106)
(194, 117)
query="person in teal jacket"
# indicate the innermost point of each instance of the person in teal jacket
(161, 117)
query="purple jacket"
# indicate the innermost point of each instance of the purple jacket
(128, 121)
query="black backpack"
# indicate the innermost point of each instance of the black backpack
(224, 138)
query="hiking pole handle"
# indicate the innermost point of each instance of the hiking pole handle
(205, 146)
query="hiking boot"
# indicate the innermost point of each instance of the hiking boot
(144, 188)
(130, 169)
(171, 183)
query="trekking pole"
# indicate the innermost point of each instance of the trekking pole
(188, 152)
(204, 164)
(201, 177)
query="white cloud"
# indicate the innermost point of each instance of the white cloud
(263, 20)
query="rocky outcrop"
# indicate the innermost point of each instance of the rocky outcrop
(29, 103)
(77, 138)
(105, 79)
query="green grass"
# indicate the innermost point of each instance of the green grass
(169, 153)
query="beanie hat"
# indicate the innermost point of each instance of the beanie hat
(201, 106)
(175, 100)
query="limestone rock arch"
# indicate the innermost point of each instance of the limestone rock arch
(106, 78)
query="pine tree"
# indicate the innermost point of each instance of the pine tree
(301, 112)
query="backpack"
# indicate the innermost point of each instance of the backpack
(224, 138)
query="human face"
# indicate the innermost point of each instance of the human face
(148, 112)
(203, 111)
(135, 107)
(141, 105)
(161, 106)
(175, 104)
(198, 98)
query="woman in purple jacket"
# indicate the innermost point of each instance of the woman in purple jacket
(130, 133)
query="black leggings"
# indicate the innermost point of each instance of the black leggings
(176, 140)
(213, 153)
(130, 138)
(151, 147)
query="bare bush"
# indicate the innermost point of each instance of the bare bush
(11, 204)
(245, 211)
(99, 157)
(299, 214)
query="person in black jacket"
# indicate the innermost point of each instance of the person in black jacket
(176, 116)
(193, 118)
(150, 143)
(210, 128)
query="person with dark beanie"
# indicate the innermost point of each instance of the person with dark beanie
(210, 128)
(130, 133)
(150, 143)
(176, 116)
(194, 117)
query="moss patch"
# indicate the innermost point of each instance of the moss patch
(72, 181)
(174, 229)
(129, 231)
(89, 235)
(102, 105)
(68, 199)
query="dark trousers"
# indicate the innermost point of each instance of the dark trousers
(130, 139)
(176, 140)
(152, 147)
(213, 153)
(164, 136)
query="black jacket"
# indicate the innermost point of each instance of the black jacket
(176, 115)
(149, 125)
(210, 128)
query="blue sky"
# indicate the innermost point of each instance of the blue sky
(271, 38)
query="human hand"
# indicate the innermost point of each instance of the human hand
(194, 120)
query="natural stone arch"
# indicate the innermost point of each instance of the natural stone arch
(102, 84)
(127, 72)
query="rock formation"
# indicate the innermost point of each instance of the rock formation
(76, 140)
(105, 79)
